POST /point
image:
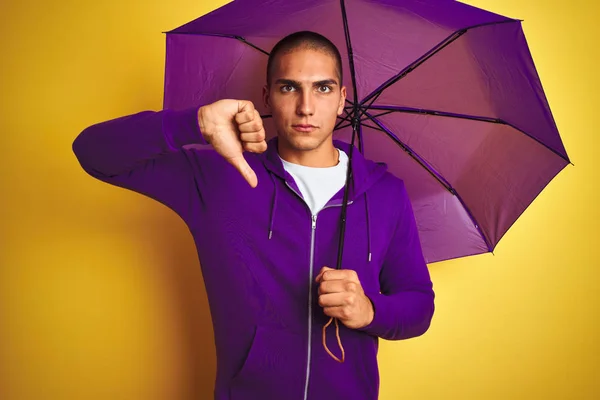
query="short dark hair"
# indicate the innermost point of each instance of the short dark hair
(309, 40)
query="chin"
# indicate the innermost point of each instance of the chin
(303, 143)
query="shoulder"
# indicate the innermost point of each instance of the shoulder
(391, 184)
(390, 192)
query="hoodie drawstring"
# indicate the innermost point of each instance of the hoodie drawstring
(368, 227)
(273, 206)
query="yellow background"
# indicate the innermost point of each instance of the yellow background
(101, 295)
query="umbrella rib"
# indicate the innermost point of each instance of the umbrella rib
(436, 49)
(342, 127)
(342, 119)
(435, 113)
(410, 110)
(433, 173)
(362, 124)
(373, 127)
(243, 40)
(381, 114)
(411, 153)
(350, 55)
(240, 38)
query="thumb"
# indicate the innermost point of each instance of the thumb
(240, 163)
(320, 276)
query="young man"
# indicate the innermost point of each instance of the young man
(265, 220)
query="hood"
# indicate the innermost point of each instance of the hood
(365, 173)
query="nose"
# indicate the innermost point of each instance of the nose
(305, 104)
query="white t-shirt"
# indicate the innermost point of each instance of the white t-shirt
(318, 185)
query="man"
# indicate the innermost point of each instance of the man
(265, 220)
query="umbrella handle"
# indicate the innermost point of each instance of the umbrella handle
(337, 334)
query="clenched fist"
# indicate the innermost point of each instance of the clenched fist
(341, 295)
(232, 127)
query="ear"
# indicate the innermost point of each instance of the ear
(266, 97)
(342, 100)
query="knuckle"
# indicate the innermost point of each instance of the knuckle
(349, 300)
(240, 118)
(244, 117)
(345, 312)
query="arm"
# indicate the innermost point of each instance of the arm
(144, 152)
(405, 306)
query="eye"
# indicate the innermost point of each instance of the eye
(325, 89)
(287, 88)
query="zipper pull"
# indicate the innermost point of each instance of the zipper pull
(314, 222)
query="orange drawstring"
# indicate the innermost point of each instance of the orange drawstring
(337, 334)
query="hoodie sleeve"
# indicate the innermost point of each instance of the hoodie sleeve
(405, 305)
(144, 152)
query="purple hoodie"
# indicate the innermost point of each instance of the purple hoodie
(261, 249)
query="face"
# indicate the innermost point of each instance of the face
(304, 98)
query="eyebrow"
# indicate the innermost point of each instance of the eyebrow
(292, 82)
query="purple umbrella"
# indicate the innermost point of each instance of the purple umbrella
(446, 94)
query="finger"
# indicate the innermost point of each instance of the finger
(254, 125)
(337, 299)
(252, 137)
(320, 275)
(240, 163)
(339, 312)
(246, 112)
(340, 274)
(338, 286)
(251, 127)
(255, 147)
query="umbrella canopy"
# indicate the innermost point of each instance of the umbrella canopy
(446, 94)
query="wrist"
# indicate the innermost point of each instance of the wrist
(370, 314)
(201, 114)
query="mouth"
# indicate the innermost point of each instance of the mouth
(304, 127)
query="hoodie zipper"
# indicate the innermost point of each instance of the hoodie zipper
(310, 274)
(310, 279)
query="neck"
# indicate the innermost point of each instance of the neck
(324, 156)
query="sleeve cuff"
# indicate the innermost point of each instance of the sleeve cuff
(181, 128)
(381, 325)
